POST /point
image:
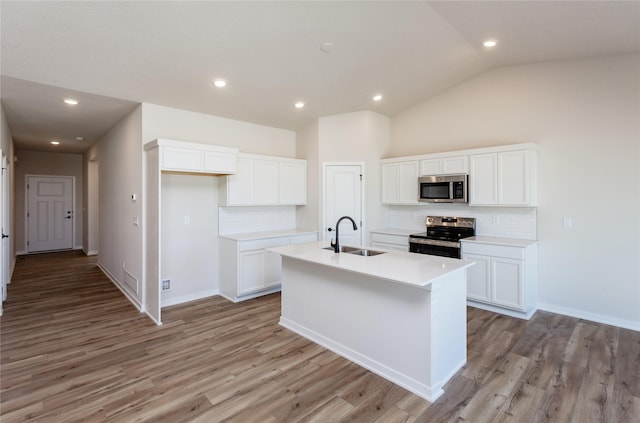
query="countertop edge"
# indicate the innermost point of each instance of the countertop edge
(249, 236)
(316, 256)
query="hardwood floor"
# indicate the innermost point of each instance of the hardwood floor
(75, 350)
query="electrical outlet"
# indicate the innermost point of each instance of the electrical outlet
(166, 284)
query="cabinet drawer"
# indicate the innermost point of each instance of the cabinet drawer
(493, 250)
(260, 244)
(389, 239)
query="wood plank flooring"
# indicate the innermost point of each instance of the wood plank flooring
(73, 349)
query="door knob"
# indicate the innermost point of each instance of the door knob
(5, 236)
(68, 217)
(330, 229)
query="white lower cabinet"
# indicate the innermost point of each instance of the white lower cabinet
(247, 270)
(389, 241)
(504, 276)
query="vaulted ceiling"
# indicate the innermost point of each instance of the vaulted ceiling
(332, 55)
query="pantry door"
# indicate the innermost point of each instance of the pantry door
(50, 213)
(343, 197)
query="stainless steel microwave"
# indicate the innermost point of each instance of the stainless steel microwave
(443, 188)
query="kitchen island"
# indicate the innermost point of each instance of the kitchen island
(398, 314)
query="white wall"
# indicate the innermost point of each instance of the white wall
(308, 148)
(349, 137)
(190, 252)
(189, 230)
(584, 116)
(43, 163)
(119, 155)
(177, 124)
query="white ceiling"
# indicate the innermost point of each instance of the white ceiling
(112, 55)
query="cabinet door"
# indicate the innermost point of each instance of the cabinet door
(508, 282)
(251, 269)
(390, 177)
(483, 179)
(273, 269)
(184, 159)
(431, 167)
(479, 278)
(408, 182)
(216, 162)
(265, 182)
(240, 185)
(453, 165)
(513, 178)
(400, 183)
(293, 183)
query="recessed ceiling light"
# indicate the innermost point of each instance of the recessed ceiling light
(490, 43)
(377, 97)
(299, 105)
(79, 139)
(71, 101)
(220, 83)
(326, 47)
(55, 142)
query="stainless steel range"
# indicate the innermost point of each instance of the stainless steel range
(443, 236)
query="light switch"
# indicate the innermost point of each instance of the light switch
(567, 223)
(187, 220)
(136, 221)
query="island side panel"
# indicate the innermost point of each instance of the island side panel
(449, 325)
(379, 324)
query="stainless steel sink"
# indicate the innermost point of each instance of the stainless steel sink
(344, 249)
(365, 252)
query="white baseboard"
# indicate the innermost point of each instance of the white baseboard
(90, 252)
(121, 287)
(168, 302)
(236, 299)
(430, 393)
(157, 322)
(21, 253)
(501, 310)
(594, 317)
(78, 247)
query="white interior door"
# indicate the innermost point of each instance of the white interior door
(4, 244)
(343, 197)
(50, 213)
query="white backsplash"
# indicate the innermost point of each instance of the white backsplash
(490, 221)
(240, 220)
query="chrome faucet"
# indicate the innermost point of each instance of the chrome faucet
(336, 245)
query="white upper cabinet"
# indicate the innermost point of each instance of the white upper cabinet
(444, 165)
(265, 181)
(400, 182)
(293, 182)
(239, 187)
(181, 156)
(503, 178)
(483, 179)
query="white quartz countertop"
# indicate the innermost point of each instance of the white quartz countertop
(267, 234)
(419, 270)
(509, 242)
(394, 231)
